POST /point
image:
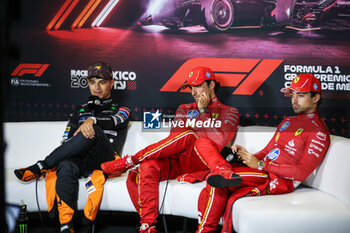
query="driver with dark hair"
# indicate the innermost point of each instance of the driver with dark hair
(296, 149)
(206, 121)
(95, 133)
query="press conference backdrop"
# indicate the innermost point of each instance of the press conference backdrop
(57, 40)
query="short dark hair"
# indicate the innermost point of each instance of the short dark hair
(217, 85)
(313, 94)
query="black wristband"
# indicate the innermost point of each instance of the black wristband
(204, 110)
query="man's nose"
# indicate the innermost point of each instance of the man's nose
(294, 100)
(193, 91)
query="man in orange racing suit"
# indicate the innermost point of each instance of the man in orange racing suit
(296, 149)
(204, 121)
(96, 131)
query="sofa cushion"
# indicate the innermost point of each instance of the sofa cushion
(332, 176)
(28, 142)
(322, 208)
(186, 196)
(254, 138)
(305, 210)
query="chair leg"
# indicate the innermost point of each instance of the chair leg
(164, 223)
(184, 229)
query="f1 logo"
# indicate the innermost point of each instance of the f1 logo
(247, 75)
(24, 68)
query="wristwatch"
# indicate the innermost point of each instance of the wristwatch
(203, 110)
(261, 165)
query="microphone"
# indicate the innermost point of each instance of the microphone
(94, 102)
(229, 155)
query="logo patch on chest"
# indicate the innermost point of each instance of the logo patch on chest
(192, 114)
(299, 131)
(285, 126)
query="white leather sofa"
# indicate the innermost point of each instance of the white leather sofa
(321, 204)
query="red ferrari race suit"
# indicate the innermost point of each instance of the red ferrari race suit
(176, 156)
(296, 149)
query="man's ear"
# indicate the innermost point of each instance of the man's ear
(212, 85)
(317, 98)
(112, 83)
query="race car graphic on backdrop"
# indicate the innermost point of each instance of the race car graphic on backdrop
(221, 15)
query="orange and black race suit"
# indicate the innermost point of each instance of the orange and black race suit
(79, 156)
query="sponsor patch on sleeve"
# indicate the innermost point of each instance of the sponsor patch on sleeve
(90, 188)
(273, 155)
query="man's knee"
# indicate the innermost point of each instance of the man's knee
(98, 131)
(150, 168)
(203, 142)
(191, 135)
(67, 168)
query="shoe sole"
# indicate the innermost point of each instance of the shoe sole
(27, 175)
(218, 181)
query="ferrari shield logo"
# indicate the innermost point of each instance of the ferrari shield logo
(296, 79)
(299, 131)
(215, 115)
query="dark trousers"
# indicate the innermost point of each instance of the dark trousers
(78, 157)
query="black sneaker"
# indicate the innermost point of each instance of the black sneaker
(66, 228)
(87, 226)
(35, 171)
(224, 179)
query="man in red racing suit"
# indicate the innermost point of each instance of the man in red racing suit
(176, 155)
(296, 149)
